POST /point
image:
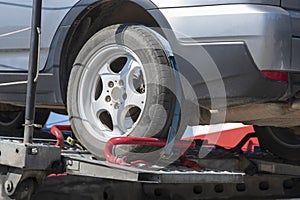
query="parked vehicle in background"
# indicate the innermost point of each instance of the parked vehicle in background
(110, 66)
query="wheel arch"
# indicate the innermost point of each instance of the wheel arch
(86, 18)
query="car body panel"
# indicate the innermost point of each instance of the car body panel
(252, 40)
(256, 24)
(15, 23)
(266, 30)
(193, 3)
(291, 4)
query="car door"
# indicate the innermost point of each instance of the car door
(15, 17)
(15, 23)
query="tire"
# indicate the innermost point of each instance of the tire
(11, 122)
(121, 85)
(283, 142)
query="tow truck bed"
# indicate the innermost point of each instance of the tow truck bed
(100, 180)
(78, 175)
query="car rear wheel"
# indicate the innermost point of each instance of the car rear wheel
(283, 142)
(121, 85)
(11, 121)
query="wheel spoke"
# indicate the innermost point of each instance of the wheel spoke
(134, 98)
(117, 120)
(130, 65)
(128, 122)
(128, 74)
(99, 105)
(105, 69)
(109, 80)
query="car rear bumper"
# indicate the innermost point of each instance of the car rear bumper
(225, 47)
(227, 72)
(265, 30)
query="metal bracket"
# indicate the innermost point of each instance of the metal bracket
(28, 156)
(25, 163)
(11, 183)
(20, 185)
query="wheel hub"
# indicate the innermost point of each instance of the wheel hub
(116, 94)
(117, 91)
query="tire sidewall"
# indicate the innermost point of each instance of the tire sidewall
(158, 71)
(284, 148)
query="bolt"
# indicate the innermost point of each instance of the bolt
(26, 188)
(111, 84)
(121, 82)
(142, 90)
(70, 163)
(9, 186)
(124, 96)
(117, 106)
(34, 151)
(107, 98)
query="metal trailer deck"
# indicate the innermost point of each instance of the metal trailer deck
(250, 175)
(270, 180)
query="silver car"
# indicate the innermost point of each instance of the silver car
(114, 67)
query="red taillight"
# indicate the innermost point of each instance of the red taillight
(278, 76)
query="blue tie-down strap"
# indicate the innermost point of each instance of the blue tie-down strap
(176, 116)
